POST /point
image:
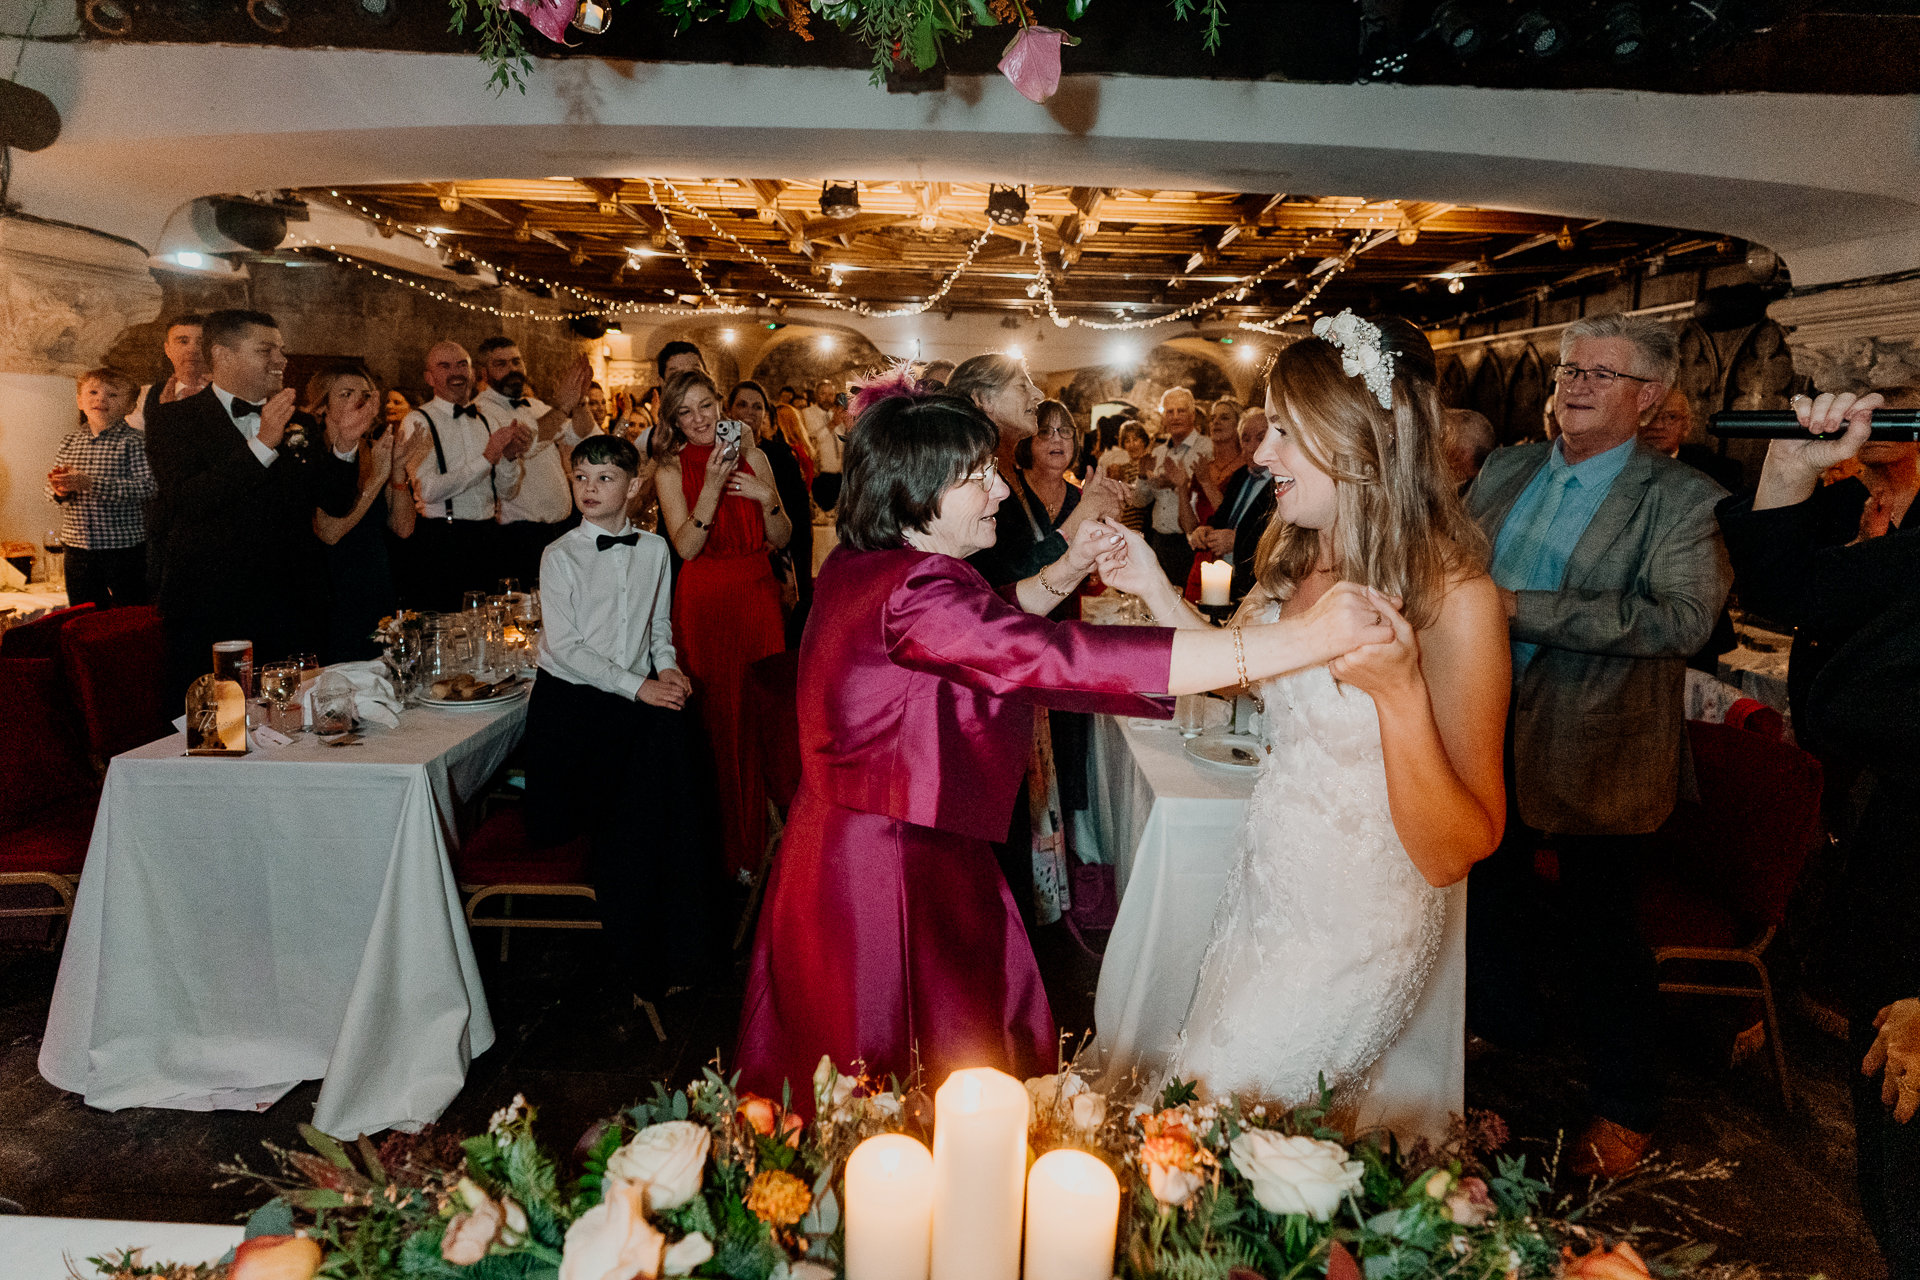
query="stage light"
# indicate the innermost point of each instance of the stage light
(188, 259)
(1564, 241)
(841, 201)
(1016, 352)
(1461, 30)
(826, 342)
(1624, 32)
(377, 12)
(928, 221)
(727, 336)
(1006, 207)
(1540, 35)
(109, 17)
(1456, 285)
(270, 16)
(1249, 354)
(1124, 354)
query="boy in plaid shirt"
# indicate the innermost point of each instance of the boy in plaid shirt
(101, 483)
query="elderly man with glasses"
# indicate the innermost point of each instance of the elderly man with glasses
(1611, 565)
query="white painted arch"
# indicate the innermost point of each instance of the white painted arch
(1827, 181)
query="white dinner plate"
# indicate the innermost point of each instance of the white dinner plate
(1217, 749)
(499, 699)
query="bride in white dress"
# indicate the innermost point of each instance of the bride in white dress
(1382, 783)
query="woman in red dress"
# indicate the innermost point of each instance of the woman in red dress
(889, 936)
(721, 512)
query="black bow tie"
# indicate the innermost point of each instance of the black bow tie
(242, 409)
(521, 403)
(465, 411)
(606, 540)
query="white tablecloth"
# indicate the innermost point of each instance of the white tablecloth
(1168, 823)
(246, 924)
(27, 605)
(38, 1248)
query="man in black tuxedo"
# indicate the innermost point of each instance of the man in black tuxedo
(232, 551)
(1246, 505)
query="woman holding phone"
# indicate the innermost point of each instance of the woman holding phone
(719, 509)
(361, 546)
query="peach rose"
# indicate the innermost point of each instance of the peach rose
(275, 1258)
(1617, 1263)
(470, 1234)
(761, 1114)
(1470, 1205)
(613, 1240)
(670, 1158)
(1171, 1158)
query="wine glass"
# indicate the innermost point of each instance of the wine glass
(279, 682)
(56, 557)
(509, 586)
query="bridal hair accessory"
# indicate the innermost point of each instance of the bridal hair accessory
(1361, 354)
(897, 383)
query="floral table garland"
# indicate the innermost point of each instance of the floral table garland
(708, 1182)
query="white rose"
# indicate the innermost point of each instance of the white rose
(686, 1254)
(1295, 1175)
(613, 1240)
(887, 1105)
(1173, 1186)
(1089, 1110)
(668, 1158)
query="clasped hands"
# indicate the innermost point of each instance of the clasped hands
(510, 442)
(69, 483)
(670, 690)
(1896, 1053)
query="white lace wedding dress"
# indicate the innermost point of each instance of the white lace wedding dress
(1330, 953)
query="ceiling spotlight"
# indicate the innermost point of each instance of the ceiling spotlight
(840, 201)
(1540, 35)
(826, 342)
(833, 279)
(109, 17)
(1624, 32)
(1249, 354)
(766, 214)
(1006, 207)
(727, 336)
(1016, 352)
(1125, 353)
(1456, 285)
(928, 221)
(450, 202)
(577, 257)
(270, 16)
(1564, 241)
(189, 259)
(523, 232)
(1460, 28)
(1408, 234)
(378, 12)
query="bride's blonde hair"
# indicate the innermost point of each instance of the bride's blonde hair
(1399, 525)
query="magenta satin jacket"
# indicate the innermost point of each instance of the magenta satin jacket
(923, 710)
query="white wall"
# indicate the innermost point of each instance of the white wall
(36, 412)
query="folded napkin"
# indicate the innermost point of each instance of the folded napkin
(374, 700)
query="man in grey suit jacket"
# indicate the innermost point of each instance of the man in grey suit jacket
(1611, 564)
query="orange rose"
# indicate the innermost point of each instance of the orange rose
(1171, 1158)
(1617, 1263)
(275, 1258)
(759, 1113)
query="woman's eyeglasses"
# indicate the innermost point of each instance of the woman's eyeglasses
(1056, 432)
(987, 476)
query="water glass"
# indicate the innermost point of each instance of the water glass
(473, 601)
(333, 707)
(1190, 714)
(279, 682)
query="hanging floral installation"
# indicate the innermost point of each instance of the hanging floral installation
(897, 32)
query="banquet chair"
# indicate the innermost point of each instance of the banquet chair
(116, 668)
(41, 637)
(499, 861)
(773, 748)
(48, 795)
(1719, 872)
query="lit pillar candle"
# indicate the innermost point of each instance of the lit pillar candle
(1073, 1213)
(889, 1209)
(1216, 582)
(979, 1163)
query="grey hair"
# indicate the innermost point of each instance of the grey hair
(1657, 343)
(985, 375)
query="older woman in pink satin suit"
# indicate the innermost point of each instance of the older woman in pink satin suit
(888, 930)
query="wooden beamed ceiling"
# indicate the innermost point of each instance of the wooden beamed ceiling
(1105, 248)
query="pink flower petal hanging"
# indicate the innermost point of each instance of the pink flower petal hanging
(549, 17)
(1032, 62)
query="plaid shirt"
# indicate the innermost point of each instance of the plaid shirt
(112, 514)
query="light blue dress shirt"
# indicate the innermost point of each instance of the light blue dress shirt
(1540, 533)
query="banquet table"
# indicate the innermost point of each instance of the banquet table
(40, 1248)
(36, 601)
(244, 924)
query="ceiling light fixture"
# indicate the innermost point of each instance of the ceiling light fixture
(1006, 206)
(1456, 285)
(1460, 28)
(1564, 240)
(928, 221)
(840, 201)
(1016, 352)
(270, 16)
(450, 201)
(377, 12)
(109, 17)
(1624, 33)
(1540, 35)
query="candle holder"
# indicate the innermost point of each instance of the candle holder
(1217, 613)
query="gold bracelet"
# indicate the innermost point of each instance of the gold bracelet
(1240, 656)
(1048, 586)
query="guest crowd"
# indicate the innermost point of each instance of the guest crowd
(674, 552)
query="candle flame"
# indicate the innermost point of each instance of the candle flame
(970, 1093)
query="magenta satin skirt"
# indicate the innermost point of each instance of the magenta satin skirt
(880, 938)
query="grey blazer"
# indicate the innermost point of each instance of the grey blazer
(1599, 746)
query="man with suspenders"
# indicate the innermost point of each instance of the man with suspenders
(461, 466)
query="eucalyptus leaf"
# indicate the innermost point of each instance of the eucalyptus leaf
(335, 1154)
(274, 1218)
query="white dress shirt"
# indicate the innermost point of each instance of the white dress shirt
(468, 488)
(249, 426)
(827, 446)
(546, 493)
(1187, 455)
(606, 616)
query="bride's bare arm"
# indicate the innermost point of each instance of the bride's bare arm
(1442, 697)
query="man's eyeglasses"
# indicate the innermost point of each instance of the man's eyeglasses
(987, 476)
(1568, 374)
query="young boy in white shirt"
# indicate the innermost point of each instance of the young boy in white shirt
(608, 749)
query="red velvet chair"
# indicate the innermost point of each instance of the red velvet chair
(1721, 871)
(48, 794)
(116, 665)
(41, 637)
(498, 861)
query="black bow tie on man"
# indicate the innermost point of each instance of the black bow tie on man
(606, 540)
(520, 403)
(241, 409)
(466, 411)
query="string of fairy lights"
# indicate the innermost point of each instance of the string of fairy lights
(711, 302)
